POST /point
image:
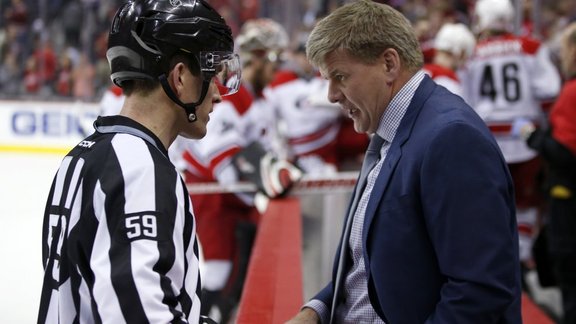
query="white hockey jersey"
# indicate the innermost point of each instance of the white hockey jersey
(237, 121)
(308, 121)
(444, 77)
(509, 77)
(112, 101)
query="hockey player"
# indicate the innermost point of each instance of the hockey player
(453, 45)
(119, 236)
(239, 146)
(507, 78)
(112, 101)
(307, 120)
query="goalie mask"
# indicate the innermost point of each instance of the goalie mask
(146, 34)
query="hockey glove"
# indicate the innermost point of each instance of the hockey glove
(272, 176)
(522, 128)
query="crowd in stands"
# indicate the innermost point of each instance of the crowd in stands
(56, 49)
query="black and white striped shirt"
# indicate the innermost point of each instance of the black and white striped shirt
(119, 237)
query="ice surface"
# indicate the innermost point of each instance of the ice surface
(25, 180)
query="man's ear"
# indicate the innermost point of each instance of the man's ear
(176, 78)
(391, 60)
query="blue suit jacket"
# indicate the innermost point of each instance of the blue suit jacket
(440, 238)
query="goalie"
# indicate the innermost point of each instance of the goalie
(241, 145)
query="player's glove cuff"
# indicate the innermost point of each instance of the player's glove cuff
(278, 176)
(522, 128)
(272, 176)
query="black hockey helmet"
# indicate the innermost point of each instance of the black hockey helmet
(146, 34)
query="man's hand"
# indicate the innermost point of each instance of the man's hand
(306, 316)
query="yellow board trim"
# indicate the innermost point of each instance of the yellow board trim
(34, 149)
(560, 192)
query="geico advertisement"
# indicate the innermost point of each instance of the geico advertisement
(44, 126)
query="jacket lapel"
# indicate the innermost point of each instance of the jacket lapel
(393, 156)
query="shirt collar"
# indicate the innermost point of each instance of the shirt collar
(123, 124)
(392, 116)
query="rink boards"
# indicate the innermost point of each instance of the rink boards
(44, 127)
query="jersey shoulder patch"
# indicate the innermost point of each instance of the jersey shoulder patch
(116, 90)
(530, 45)
(282, 77)
(241, 100)
(435, 71)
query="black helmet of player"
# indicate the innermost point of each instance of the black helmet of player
(146, 34)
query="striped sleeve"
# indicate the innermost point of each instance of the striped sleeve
(57, 303)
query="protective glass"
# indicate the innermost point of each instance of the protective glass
(225, 68)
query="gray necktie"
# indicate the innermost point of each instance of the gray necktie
(370, 159)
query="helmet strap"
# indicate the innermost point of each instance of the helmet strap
(190, 108)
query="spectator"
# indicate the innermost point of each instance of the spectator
(32, 79)
(17, 25)
(10, 75)
(17, 13)
(72, 25)
(46, 61)
(83, 76)
(64, 80)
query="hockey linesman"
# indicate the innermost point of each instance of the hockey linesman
(119, 238)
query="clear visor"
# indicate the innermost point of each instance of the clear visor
(275, 56)
(225, 68)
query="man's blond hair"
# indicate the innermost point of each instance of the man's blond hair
(364, 29)
(570, 33)
(568, 60)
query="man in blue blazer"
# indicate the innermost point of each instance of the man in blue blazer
(430, 235)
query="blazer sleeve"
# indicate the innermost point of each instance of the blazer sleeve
(468, 208)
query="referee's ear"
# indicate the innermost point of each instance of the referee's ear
(178, 77)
